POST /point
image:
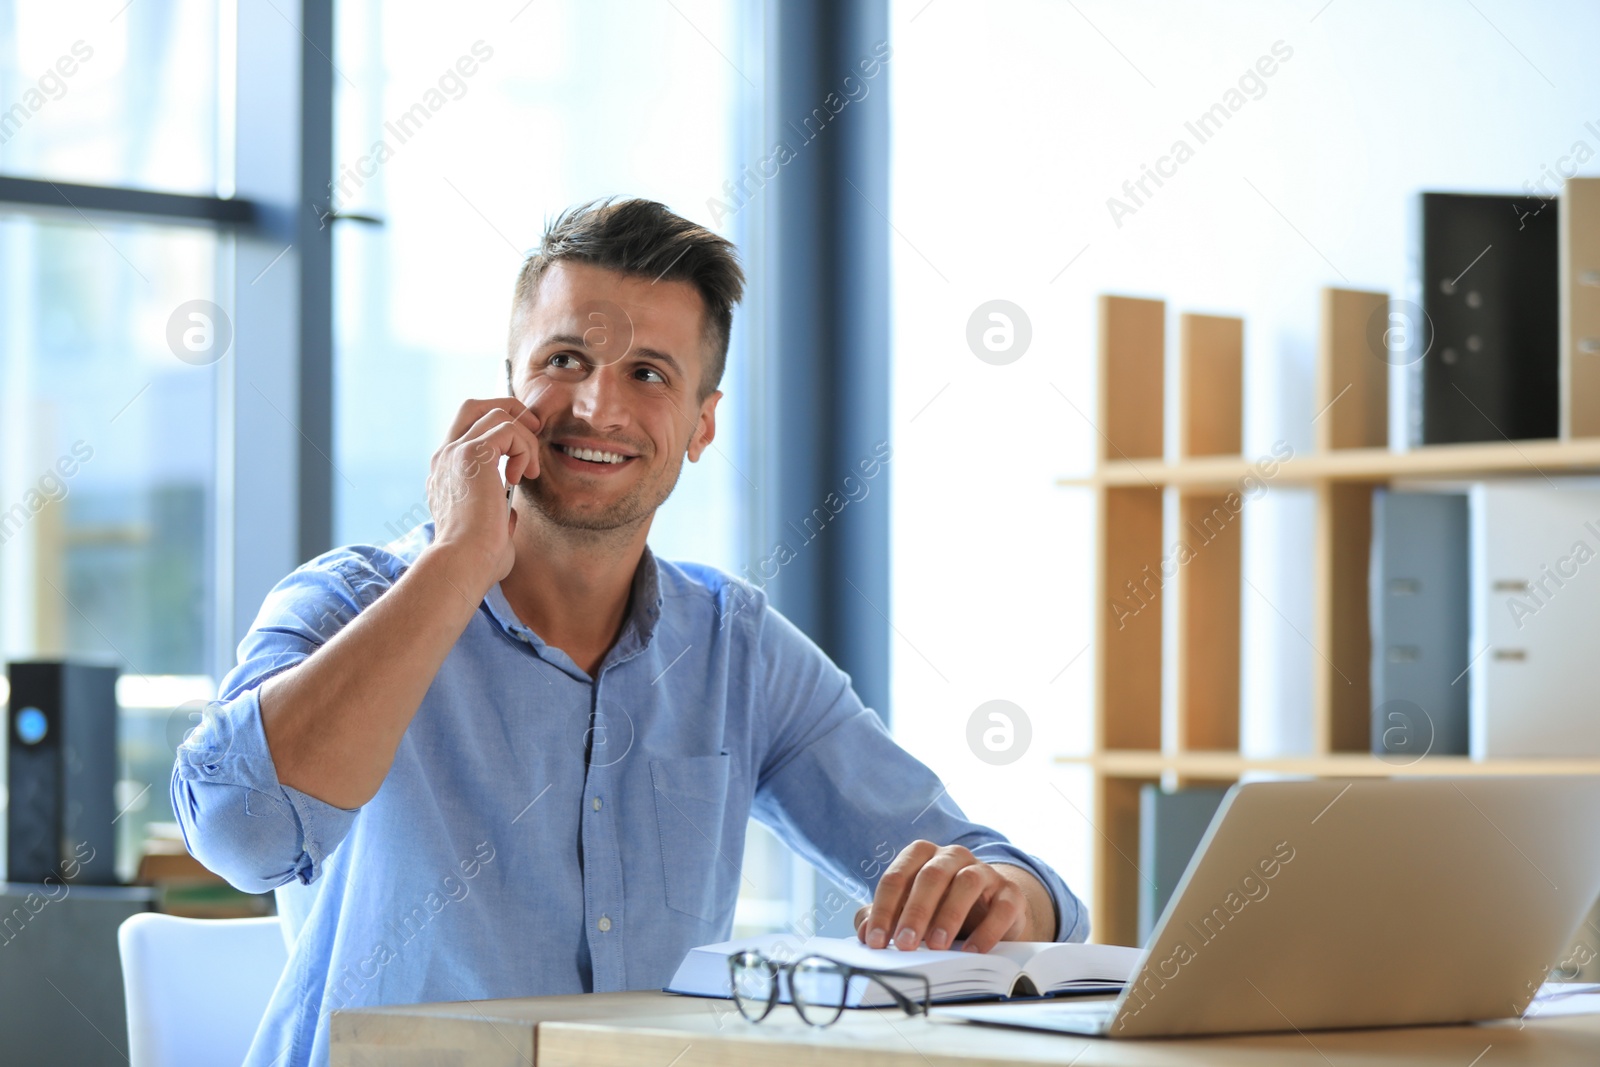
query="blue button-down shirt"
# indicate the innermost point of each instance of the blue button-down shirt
(542, 831)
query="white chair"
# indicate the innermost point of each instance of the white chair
(196, 988)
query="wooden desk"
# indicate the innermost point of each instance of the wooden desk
(473, 1032)
(627, 1029)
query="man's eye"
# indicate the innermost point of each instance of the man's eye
(650, 374)
(565, 361)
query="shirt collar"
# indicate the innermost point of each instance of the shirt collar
(638, 629)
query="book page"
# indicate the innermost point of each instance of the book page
(1056, 967)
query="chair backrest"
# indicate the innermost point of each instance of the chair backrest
(196, 988)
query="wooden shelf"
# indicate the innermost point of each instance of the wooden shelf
(1176, 558)
(1356, 465)
(1127, 763)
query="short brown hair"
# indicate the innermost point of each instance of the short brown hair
(645, 239)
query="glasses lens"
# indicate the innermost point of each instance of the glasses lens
(753, 979)
(818, 987)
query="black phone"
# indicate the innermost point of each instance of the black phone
(510, 391)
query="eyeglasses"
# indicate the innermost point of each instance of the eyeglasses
(817, 986)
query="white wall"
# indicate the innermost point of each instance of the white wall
(1013, 124)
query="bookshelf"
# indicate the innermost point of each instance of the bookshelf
(1139, 576)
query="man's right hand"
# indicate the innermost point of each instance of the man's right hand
(334, 722)
(465, 494)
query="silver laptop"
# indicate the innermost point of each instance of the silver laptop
(1313, 905)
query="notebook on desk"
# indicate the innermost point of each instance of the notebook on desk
(1328, 904)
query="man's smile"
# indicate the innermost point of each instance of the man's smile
(593, 457)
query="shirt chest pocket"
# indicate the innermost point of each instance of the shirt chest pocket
(699, 867)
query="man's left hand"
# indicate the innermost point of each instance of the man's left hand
(939, 893)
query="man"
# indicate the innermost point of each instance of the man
(514, 753)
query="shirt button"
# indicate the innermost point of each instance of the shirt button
(604, 924)
(595, 803)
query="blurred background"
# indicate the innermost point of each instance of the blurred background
(253, 256)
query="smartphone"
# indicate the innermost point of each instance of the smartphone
(510, 391)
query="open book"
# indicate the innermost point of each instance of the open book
(1011, 969)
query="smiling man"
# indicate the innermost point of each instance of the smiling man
(514, 753)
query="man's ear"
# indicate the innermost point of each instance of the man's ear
(705, 427)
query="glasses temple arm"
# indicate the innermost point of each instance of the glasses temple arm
(907, 1005)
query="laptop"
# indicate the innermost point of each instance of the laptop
(1327, 904)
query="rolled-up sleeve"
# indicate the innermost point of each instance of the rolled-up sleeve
(237, 818)
(839, 790)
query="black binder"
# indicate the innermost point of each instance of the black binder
(1488, 285)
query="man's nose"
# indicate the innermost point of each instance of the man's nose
(598, 399)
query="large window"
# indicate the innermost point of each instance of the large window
(149, 491)
(108, 410)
